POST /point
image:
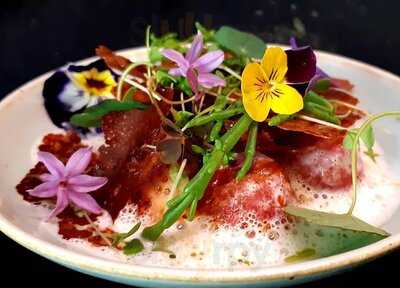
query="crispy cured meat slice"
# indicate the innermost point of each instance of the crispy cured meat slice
(322, 131)
(118, 62)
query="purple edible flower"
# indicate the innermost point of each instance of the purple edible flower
(309, 65)
(68, 183)
(195, 68)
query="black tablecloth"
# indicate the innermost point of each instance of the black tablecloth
(37, 36)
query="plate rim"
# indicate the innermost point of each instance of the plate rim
(197, 276)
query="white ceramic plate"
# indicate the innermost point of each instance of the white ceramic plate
(23, 121)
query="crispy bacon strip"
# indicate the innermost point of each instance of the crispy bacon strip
(311, 128)
(318, 130)
(119, 62)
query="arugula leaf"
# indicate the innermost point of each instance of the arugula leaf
(279, 119)
(121, 236)
(184, 86)
(181, 117)
(344, 221)
(208, 34)
(133, 247)
(322, 85)
(240, 43)
(163, 78)
(198, 150)
(169, 40)
(92, 116)
(367, 137)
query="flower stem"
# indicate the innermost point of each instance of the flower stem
(354, 149)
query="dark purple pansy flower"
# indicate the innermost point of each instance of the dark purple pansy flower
(302, 65)
(68, 90)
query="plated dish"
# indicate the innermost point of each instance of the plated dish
(216, 153)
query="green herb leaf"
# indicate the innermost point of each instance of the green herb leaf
(163, 78)
(322, 85)
(344, 221)
(92, 116)
(133, 247)
(279, 119)
(121, 236)
(184, 86)
(208, 34)
(198, 150)
(314, 98)
(169, 40)
(305, 254)
(367, 137)
(240, 43)
(181, 117)
(128, 97)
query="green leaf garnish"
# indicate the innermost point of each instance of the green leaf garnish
(279, 119)
(305, 254)
(240, 43)
(92, 116)
(163, 78)
(122, 236)
(128, 97)
(368, 138)
(320, 108)
(184, 86)
(208, 34)
(181, 117)
(169, 40)
(322, 85)
(344, 221)
(198, 150)
(133, 247)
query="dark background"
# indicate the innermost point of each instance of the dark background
(37, 36)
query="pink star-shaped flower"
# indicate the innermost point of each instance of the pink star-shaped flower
(68, 183)
(197, 69)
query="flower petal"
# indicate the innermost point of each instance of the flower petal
(55, 166)
(86, 183)
(255, 100)
(274, 64)
(195, 49)
(176, 57)
(294, 46)
(61, 204)
(176, 72)
(285, 99)
(78, 162)
(209, 61)
(47, 177)
(192, 80)
(312, 82)
(209, 80)
(85, 201)
(45, 190)
(301, 64)
(293, 42)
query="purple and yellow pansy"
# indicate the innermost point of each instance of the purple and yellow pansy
(74, 88)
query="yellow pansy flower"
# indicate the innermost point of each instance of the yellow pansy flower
(95, 83)
(263, 87)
